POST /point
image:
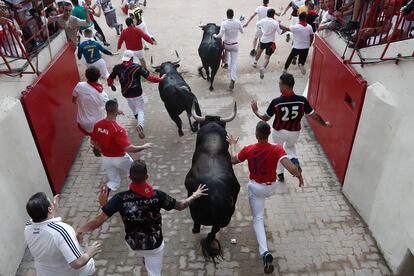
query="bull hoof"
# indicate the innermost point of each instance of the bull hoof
(180, 133)
(208, 79)
(211, 88)
(196, 231)
(194, 127)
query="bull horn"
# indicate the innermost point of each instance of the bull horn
(231, 117)
(153, 66)
(201, 26)
(194, 114)
(178, 58)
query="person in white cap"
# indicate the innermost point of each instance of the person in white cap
(229, 31)
(129, 75)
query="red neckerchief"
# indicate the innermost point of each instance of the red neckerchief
(96, 85)
(303, 23)
(288, 94)
(143, 189)
(312, 12)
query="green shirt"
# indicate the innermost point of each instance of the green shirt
(79, 12)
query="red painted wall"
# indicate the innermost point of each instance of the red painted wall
(337, 93)
(52, 116)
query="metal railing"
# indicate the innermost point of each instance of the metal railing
(23, 37)
(381, 23)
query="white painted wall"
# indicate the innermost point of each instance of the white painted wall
(21, 170)
(379, 181)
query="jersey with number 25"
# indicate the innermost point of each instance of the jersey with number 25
(288, 111)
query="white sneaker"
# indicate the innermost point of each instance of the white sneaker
(254, 64)
(261, 73)
(140, 131)
(302, 69)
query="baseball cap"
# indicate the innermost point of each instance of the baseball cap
(128, 54)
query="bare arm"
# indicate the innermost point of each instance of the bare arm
(250, 19)
(293, 169)
(132, 148)
(255, 109)
(92, 250)
(182, 204)
(233, 153)
(315, 116)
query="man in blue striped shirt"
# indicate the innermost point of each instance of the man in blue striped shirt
(53, 243)
(91, 50)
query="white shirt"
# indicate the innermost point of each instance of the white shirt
(53, 245)
(229, 30)
(261, 12)
(302, 36)
(91, 105)
(269, 27)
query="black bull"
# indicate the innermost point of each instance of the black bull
(210, 52)
(211, 165)
(176, 94)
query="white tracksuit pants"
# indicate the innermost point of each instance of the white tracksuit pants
(257, 194)
(153, 259)
(232, 51)
(137, 107)
(113, 166)
(288, 140)
(101, 65)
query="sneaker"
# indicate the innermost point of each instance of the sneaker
(106, 43)
(225, 66)
(295, 161)
(261, 73)
(302, 69)
(96, 151)
(351, 26)
(294, 61)
(287, 37)
(231, 86)
(254, 64)
(267, 262)
(253, 52)
(281, 177)
(140, 131)
(118, 32)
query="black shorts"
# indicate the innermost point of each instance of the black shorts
(270, 47)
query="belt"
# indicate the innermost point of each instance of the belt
(231, 43)
(264, 183)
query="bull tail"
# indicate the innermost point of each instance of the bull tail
(211, 247)
(200, 72)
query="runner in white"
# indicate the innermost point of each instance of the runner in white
(53, 243)
(295, 5)
(269, 26)
(90, 98)
(261, 12)
(229, 31)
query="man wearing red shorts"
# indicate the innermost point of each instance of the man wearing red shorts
(262, 158)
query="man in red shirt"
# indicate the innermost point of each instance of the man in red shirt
(262, 158)
(133, 36)
(112, 141)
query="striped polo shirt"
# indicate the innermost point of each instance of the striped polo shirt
(54, 246)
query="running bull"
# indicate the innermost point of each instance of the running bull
(210, 50)
(211, 165)
(176, 94)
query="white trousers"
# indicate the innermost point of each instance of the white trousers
(257, 194)
(138, 55)
(153, 259)
(233, 51)
(101, 65)
(113, 166)
(137, 107)
(288, 140)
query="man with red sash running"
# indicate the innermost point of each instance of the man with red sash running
(262, 158)
(140, 208)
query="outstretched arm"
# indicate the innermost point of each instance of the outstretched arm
(263, 117)
(293, 169)
(182, 204)
(320, 120)
(250, 19)
(132, 148)
(233, 153)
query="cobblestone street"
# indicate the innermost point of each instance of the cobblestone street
(311, 230)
